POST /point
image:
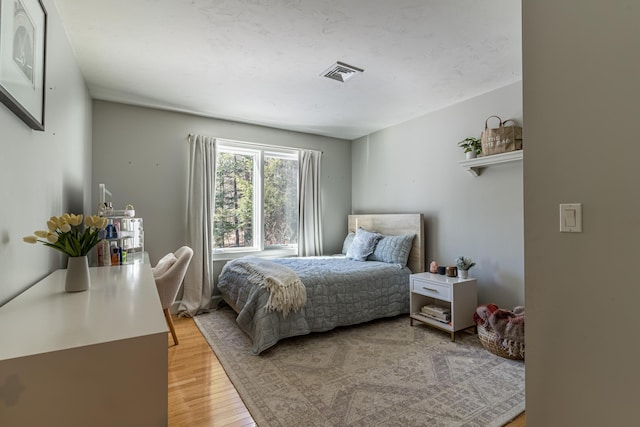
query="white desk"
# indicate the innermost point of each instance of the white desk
(94, 358)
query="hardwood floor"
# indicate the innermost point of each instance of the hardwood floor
(200, 393)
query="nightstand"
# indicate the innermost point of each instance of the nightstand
(459, 296)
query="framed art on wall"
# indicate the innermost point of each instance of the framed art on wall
(23, 38)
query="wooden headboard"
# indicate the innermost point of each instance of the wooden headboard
(394, 225)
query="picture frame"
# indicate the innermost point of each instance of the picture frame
(23, 40)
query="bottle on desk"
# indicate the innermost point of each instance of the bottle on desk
(104, 253)
(115, 256)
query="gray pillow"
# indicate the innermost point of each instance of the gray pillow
(347, 242)
(393, 249)
(363, 244)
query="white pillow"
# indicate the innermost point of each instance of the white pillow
(164, 265)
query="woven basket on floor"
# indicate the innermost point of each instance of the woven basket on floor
(491, 342)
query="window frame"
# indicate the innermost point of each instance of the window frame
(260, 151)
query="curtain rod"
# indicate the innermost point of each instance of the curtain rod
(258, 144)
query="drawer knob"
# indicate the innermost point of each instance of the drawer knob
(429, 289)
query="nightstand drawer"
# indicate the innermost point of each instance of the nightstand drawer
(431, 289)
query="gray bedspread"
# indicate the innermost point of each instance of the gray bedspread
(340, 292)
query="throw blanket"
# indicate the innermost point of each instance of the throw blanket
(508, 325)
(286, 290)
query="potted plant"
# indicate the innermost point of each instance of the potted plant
(472, 147)
(464, 264)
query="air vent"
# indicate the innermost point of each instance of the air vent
(341, 72)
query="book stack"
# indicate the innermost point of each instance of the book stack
(441, 314)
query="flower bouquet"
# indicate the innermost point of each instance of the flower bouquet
(64, 234)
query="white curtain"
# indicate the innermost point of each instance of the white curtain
(198, 282)
(309, 208)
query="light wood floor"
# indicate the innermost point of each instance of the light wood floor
(200, 393)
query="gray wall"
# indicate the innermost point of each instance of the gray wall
(44, 173)
(141, 154)
(413, 167)
(581, 101)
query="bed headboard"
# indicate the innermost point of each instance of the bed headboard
(394, 225)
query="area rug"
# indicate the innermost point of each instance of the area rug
(381, 373)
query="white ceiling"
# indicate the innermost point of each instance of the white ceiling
(259, 61)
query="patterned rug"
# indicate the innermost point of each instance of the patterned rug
(381, 373)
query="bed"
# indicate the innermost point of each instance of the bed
(339, 290)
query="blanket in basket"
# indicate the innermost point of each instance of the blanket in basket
(508, 326)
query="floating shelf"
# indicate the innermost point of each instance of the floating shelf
(475, 166)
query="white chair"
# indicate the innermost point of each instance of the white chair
(169, 274)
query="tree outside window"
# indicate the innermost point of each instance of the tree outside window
(256, 198)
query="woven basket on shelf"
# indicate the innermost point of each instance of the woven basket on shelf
(491, 342)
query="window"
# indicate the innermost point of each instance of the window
(256, 198)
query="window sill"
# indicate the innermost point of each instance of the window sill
(267, 253)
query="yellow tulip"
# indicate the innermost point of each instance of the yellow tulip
(52, 225)
(96, 221)
(101, 222)
(89, 222)
(75, 220)
(64, 227)
(30, 239)
(42, 234)
(52, 237)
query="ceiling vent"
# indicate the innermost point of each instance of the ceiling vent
(341, 72)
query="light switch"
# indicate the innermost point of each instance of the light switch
(571, 218)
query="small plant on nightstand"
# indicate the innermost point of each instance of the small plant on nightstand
(464, 264)
(472, 147)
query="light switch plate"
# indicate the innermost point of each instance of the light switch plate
(571, 218)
